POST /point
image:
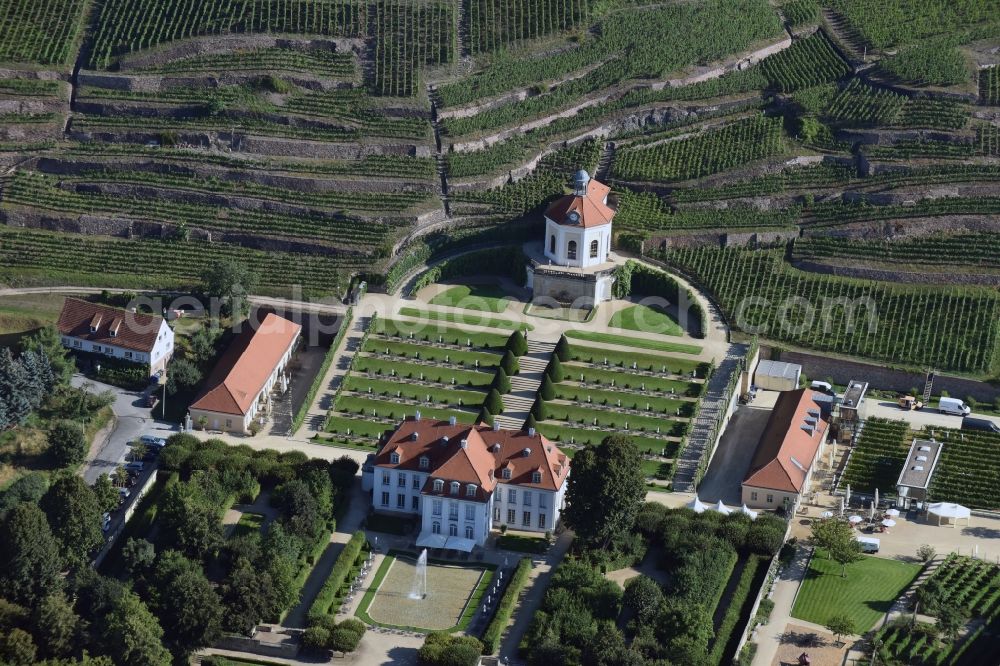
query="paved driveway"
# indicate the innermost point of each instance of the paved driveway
(132, 420)
(732, 459)
(928, 416)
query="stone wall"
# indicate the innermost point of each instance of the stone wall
(818, 366)
(564, 287)
(884, 274)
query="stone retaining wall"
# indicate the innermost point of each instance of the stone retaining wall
(907, 277)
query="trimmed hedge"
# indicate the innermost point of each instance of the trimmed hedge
(491, 637)
(635, 279)
(300, 415)
(508, 261)
(338, 575)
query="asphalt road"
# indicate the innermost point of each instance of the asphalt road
(732, 459)
(928, 416)
(133, 419)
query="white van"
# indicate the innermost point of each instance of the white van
(869, 544)
(954, 406)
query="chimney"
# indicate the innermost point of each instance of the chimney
(416, 417)
(526, 452)
(496, 427)
(444, 440)
(452, 420)
(531, 432)
(464, 443)
(414, 435)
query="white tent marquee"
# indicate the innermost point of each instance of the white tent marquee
(721, 508)
(949, 511)
(748, 511)
(697, 506)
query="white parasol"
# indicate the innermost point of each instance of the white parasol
(827, 514)
(888, 522)
(854, 520)
(892, 513)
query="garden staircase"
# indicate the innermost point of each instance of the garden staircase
(904, 604)
(605, 162)
(525, 384)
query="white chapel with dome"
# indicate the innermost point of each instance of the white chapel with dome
(574, 264)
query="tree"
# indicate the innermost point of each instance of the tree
(138, 556)
(106, 494)
(555, 370)
(443, 649)
(950, 620)
(346, 635)
(548, 390)
(845, 552)
(509, 364)
(606, 489)
(17, 648)
(840, 625)
(493, 403)
(501, 382)
(644, 597)
(562, 349)
(48, 341)
(926, 552)
(131, 635)
(830, 533)
(231, 282)
(301, 514)
(75, 517)
(56, 626)
(188, 521)
(29, 556)
(530, 422)
(186, 603)
(67, 444)
(517, 344)
(183, 375)
(245, 597)
(538, 410)
(18, 394)
(28, 488)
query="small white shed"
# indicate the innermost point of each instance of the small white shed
(777, 376)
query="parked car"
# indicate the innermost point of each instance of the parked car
(869, 544)
(822, 387)
(124, 494)
(106, 522)
(953, 406)
(134, 466)
(984, 425)
(152, 440)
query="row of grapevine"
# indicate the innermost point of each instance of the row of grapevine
(27, 255)
(40, 31)
(126, 26)
(496, 24)
(989, 85)
(326, 63)
(800, 12)
(710, 152)
(408, 35)
(894, 22)
(969, 469)
(945, 327)
(645, 211)
(982, 250)
(807, 62)
(878, 456)
(834, 213)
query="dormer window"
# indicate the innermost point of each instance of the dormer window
(115, 325)
(470, 490)
(394, 458)
(536, 477)
(438, 485)
(506, 473)
(454, 487)
(425, 462)
(95, 323)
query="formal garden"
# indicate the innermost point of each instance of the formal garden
(440, 370)
(589, 392)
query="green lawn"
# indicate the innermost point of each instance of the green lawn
(631, 360)
(567, 435)
(439, 332)
(481, 297)
(463, 319)
(658, 469)
(389, 389)
(609, 418)
(426, 352)
(645, 319)
(396, 411)
(361, 427)
(872, 584)
(248, 524)
(385, 367)
(668, 406)
(627, 381)
(640, 343)
(522, 544)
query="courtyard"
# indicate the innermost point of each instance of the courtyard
(452, 596)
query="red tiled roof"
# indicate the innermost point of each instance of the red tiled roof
(787, 448)
(591, 211)
(485, 454)
(245, 367)
(133, 330)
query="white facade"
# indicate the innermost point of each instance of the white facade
(451, 514)
(156, 359)
(581, 247)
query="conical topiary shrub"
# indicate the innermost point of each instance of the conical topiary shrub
(562, 349)
(547, 390)
(509, 363)
(493, 403)
(517, 344)
(485, 417)
(538, 410)
(555, 371)
(501, 382)
(530, 422)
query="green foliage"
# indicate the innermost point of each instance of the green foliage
(934, 64)
(800, 12)
(25, 382)
(45, 35)
(509, 364)
(67, 445)
(186, 604)
(806, 63)
(75, 518)
(644, 597)
(131, 635)
(517, 344)
(555, 371)
(443, 649)
(508, 261)
(17, 648)
(501, 382)
(56, 626)
(605, 491)
(562, 348)
(547, 391)
(538, 410)
(493, 403)
(897, 22)
(324, 601)
(505, 608)
(232, 282)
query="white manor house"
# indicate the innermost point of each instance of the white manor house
(465, 480)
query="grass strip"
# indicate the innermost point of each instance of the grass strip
(464, 319)
(641, 343)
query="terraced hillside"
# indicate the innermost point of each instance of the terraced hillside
(330, 140)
